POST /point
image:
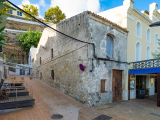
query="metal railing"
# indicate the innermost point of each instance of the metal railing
(152, 63)
(4, 94)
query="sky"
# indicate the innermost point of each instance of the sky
(74, 7)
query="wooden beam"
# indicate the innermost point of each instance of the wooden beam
(128, 85)
(158, 90)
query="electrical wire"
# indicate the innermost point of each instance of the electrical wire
(45, 23)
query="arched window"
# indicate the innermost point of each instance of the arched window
(138, 51)
(148, 53)
(138, 29)
(109, 46)
(156, 40)
(148, 35)
(155, 53)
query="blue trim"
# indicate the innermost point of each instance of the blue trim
(145, 71)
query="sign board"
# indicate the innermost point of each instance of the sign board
(82, 68)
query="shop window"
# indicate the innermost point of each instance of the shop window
(109, 46)
(52, 53)
(103, 89)
(52, 74)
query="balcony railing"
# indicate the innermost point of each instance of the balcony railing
(152, 63)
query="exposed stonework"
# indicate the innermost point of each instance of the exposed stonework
(68, 54)
(14, 27)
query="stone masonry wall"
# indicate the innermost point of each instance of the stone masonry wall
(68, 54)
(16, 25)
(12, 47)
(98, 31)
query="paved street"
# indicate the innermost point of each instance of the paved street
(48, 101)
(137, 109)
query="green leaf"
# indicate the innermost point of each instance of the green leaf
(2, 0)
(4, 17)
(1, 29)
(3, 24)
(1, 7)
(2, 39)
(1, 43)
(4, 34)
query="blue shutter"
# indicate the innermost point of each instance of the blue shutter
(20, 13)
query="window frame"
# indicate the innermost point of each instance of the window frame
(147, 52)
(18, 13)
(52, 53)
(112, 45)
(155, 39)
(147, 35)
(52, 74)
(40, 61)
(140, 29)
(136, 50)
(155, 52)
(104, 85)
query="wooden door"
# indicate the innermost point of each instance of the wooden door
(117, 85)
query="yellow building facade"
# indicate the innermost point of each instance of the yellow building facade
(142, 39)
(17, 13)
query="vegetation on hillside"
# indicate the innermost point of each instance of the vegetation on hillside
(28, 39)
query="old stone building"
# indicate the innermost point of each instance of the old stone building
(15, 26)
(92, 70)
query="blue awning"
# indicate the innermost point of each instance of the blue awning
(145, 71)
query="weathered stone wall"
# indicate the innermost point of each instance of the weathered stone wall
(68, 54)
(13, 29)
(98, 31)
(17, 25)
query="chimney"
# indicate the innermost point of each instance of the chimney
(152, 8)
(128, 4)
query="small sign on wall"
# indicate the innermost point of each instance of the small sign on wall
(132, 83)
(82, 67)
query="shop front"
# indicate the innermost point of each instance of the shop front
(144, 80)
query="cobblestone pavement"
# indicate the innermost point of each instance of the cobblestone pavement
(48, 101)
(137, 109)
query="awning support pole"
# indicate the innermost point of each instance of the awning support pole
(158, 90)
(128, 85)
